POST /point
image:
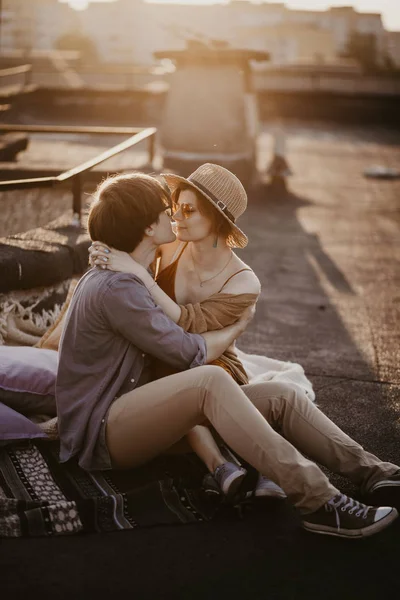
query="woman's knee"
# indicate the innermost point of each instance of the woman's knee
(277, 392)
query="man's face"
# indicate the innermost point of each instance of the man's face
(163, 233)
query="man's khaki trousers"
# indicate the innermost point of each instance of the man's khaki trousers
(147, 421)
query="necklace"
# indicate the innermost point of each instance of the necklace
(203, 281)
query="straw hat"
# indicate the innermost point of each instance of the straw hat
(223, 189)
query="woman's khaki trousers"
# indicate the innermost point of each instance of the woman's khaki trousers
(150, 419)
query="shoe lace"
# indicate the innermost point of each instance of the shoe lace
(221, 470)
(345, 503)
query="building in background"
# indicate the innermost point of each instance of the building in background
(393, 48)
(18, 22)
(34, 24)
(129, 31)
(53, 22)
(290, 43)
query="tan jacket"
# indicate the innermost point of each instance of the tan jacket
(217, 312)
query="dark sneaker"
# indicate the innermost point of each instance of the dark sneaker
(266, 488)
(229, 477)
(344, 517)
(210, 486)
(386, 491)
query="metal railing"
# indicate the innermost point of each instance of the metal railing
(25, 70)
(76, 175)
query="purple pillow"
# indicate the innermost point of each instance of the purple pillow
(28, 378)
(14, 426)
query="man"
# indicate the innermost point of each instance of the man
(112, 416)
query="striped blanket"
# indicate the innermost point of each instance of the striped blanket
(41, 497)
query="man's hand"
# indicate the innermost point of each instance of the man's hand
(219, 341)
(242, 323)
(246, 318)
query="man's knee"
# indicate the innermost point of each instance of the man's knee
(217, 385)
(215, 375)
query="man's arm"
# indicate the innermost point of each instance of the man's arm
(218, 341)
(132, 313)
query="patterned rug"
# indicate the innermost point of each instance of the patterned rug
(41, 497)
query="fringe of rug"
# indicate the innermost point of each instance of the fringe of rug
(48, 425)
(19, 324)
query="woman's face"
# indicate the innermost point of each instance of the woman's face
(191, 225)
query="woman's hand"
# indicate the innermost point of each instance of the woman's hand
(114, 260)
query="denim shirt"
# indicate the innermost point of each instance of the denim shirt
(112, 328)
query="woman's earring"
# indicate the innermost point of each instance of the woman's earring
(215, 244)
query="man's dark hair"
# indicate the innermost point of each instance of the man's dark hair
(123, 206)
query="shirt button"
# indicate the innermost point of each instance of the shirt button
(103, 420)
(143, 355)
(132, 381)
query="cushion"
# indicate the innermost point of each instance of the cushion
(44, 256)
(27, 379)
(14, 426)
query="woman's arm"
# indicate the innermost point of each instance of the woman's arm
(116, 260)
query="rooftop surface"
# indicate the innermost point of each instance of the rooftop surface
(327, 253)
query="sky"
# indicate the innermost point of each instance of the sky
(390, 9)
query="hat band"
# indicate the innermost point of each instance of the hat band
(214, 199)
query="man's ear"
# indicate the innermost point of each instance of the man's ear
(149, 231)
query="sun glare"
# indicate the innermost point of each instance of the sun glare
(79, 4)
(390, 9)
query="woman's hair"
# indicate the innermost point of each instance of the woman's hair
(220, 225)
(123, 206)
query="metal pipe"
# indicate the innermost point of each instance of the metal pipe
(152, 148)
(71, 129)
(132, 141)
(20, 70)
(26, 184)
(76, 174)
(77, 197)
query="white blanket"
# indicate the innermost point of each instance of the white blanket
(262, 368)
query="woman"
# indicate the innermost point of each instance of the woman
(203, 285)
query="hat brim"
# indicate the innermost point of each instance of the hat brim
(240, 239)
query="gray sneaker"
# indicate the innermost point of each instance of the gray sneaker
(386, 491)
(229, 477)
(266, 488)
(344, 517)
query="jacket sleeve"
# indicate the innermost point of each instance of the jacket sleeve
(131, 312)
(216, 312)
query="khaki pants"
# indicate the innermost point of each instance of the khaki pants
(150, 419)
